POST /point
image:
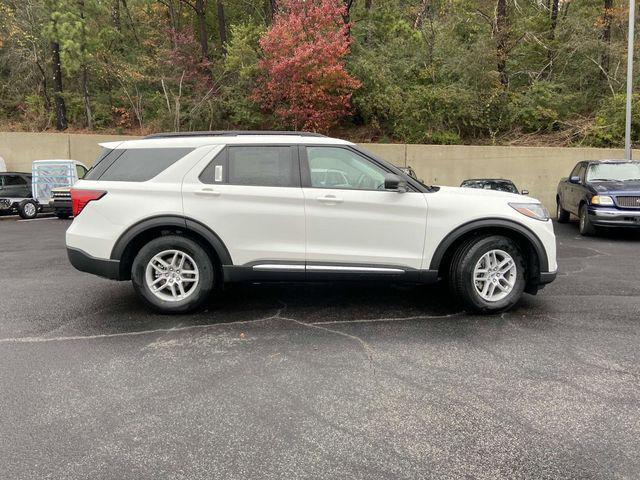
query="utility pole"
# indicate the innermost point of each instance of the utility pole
(632, 23)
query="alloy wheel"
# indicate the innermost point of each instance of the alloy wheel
(172, 275)
(494, 275)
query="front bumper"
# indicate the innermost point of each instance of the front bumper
(547, 277)
(6, 204)
(614, 217)
(84, 262)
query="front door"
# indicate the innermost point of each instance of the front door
(352, 221)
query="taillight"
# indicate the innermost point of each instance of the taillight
(80, 198)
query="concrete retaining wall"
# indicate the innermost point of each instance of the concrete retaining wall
(536, 169)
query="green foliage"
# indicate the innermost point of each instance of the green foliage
(609, 126)
(542, 107)
(241, 69)
(428, 70)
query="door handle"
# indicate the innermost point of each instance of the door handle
(208, 192)
(330, 199)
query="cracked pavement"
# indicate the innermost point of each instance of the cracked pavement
(319, 381)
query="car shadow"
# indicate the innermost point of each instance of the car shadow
(331, 305)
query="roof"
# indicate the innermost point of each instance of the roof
(619, 160)
(199, 139)
(232, 133)
(48, 160)
(487, 180)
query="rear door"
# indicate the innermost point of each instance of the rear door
(250, 196)
(351, 221)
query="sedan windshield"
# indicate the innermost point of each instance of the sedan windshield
(501, 186)
(613, 171)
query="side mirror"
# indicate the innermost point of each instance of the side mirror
(574, 179)
(395, 183)
(525, 192)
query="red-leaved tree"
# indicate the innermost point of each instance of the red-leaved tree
(303, 78)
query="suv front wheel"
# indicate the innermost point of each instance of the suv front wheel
(173, 274)
(488, 274)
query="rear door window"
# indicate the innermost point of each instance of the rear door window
(136, 164)
(267, 166)
(14, 180)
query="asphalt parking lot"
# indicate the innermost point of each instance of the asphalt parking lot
(323, 381)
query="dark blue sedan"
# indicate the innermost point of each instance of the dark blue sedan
(603, 193)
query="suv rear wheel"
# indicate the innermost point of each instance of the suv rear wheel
(487, 274)
(173, 274)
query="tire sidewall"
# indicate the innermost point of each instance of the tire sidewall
(561, 214)
(466, 271)
(584, 224)
(207, 276)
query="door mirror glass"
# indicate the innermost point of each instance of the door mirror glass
(395, 183)
(574, 179)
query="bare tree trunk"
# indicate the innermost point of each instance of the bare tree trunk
(85, 71)
(551, 53)
(271, 10)
(424, 7)
(115, 15)
(85, 96)
(501, 34)
(201, 11)
(201, 14)
(61, 109)
(222, 25)
(45, 86)
(606, 35)
(347, 13)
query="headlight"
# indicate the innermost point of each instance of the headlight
(601, 200)
(532, 210)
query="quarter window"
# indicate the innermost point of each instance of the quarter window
(331, 167)
(263, 166)
(140, 164)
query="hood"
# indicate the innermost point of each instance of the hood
(616, 186)
(482, 193)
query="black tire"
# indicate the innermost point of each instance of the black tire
(205, 267)
(585, 225)
(62, 215)
(562, 215)
(461, 273)
(28, 209)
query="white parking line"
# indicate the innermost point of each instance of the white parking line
(36, 219)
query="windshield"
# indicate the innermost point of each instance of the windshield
(491, 185)
(613, 171)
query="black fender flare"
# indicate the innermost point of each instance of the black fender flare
(176, 221)
(456, 234)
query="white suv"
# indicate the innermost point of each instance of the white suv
(181, 214)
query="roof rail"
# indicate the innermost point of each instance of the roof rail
(230, 133)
